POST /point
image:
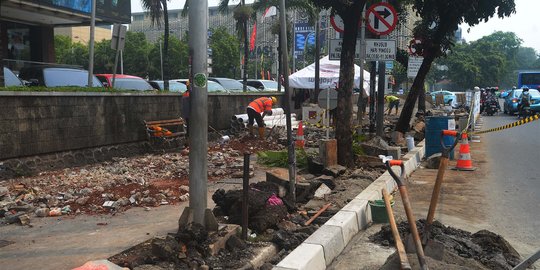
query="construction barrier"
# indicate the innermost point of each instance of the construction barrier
(507, 126)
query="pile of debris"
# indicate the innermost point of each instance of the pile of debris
(485, 247)
(148, 181)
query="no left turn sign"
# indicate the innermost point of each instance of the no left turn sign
(382, 18)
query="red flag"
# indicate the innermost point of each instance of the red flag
(252, 39)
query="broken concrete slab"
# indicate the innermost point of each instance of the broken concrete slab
(322, 191)
(433, 161)
(335, 170)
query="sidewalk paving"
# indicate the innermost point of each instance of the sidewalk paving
(68, 242)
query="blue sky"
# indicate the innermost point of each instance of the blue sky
(524, 22)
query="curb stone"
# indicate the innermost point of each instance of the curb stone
(325, 244)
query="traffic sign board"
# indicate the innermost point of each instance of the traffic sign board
(328, 99)
(337, 23)
(382, 18)
(380, 49)
(335, 49)
(414, 65)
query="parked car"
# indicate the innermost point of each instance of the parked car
(212, 86)
(125, 82)
(174, 86)
(262, 85)
(449, 97)
(232, 85)
(57, 76)
(511, 101)
(10, 79)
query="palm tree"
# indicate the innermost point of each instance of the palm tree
(159, 14)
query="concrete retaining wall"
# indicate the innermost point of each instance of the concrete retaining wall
(52, 130)
(336, 233)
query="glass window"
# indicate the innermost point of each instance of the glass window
(230, 84)
(270, 84)
(215, 87)
(132, 84)
(10, 79)
(54, 77)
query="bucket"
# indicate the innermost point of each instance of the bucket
(224, 139)
(410, 143)
(378, 211)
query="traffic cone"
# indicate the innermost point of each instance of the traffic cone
(464, 162)
(300, 135)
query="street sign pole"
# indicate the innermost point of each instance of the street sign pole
(287, 96)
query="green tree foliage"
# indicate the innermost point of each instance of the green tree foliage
(136, 54)
(104, 58)
(225, 53)
(178, 59)
(490, 61)
(159, 14)
(69, 52)
(440, 19)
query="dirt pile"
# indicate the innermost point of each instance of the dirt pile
(263, 213)
(485, 247)
(190, 249)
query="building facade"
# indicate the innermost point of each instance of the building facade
(82, 33)
(27, 26)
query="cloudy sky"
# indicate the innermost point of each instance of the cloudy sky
(525, 22)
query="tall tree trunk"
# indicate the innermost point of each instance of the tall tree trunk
(417, 87)
(422, 100)
(165, 47)
(346, 83)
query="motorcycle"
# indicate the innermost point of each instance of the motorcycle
(524, 110)
(491, 106)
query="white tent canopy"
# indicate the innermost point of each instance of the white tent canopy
(329, 76)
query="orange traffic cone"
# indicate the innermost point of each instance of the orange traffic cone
(464, 162)
(300, 136)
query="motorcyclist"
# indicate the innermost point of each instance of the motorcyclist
(525, 100)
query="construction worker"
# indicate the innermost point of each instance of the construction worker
(392, 101)
(255, 108)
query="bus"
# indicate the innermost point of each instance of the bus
(530, 79)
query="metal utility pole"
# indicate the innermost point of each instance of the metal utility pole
(91, 46)
(380, 99)
(372, 80)
(287, 103)
(198, 211)
(246, 50)
(161, 59)
(317, 52)
(361, 100)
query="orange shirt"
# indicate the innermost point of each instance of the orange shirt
(261, 104)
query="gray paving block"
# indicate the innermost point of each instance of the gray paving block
(348, 222)
(330, 238)
(304, 257)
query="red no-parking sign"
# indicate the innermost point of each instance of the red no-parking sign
(382, 18)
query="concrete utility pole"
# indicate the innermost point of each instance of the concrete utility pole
(287, 96)
(91, 46)
(198, 131)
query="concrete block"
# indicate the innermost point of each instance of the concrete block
(304, 257)
(395, 152)
(330, 238)
(362, 211)
(347, 221)
(328, 152)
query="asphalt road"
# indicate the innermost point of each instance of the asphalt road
(513, 181)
